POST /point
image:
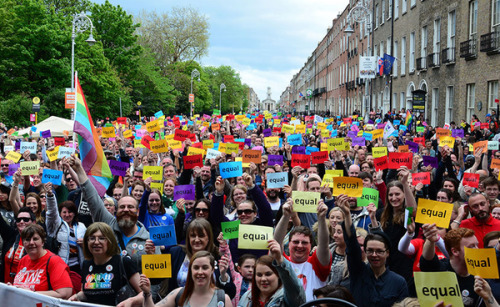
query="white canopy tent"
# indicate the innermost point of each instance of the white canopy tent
(55, 124)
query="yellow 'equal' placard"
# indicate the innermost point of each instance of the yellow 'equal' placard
(29, 167)
(379, 152)
(193, 151)
(350, 186)
(271, 141)
(155, 172)
(157, 266)
(433, 287)
(152, 126)
(305, 201)
(482, 262)
(53, 154)
(431, 211)
(108, 132)
(158, 146)
(13, 156)
(254, 237)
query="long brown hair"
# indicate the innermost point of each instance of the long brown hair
(38, 213)
(267, 261)
(199, 226)
(388, 214)
(189, 288)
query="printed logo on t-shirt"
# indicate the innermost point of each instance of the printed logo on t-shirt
(83, 208)
(98, 281)
(28, 279)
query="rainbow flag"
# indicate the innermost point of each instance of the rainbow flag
(409, 117)
(93, 161)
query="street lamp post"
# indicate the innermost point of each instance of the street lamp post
(81, 23)
(222, 87)
(194, 74)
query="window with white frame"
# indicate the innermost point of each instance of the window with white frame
(471, 100)
(404, 6)
(376, 15)
(412, 52)
(495, 16)
(436, 40)
(423, 43)
(413, 3)
(403, 56)
(390, 9)
(396, 9)
(472, 19)
(389, 45)
(492, 93)
(435, 106)
(382, 14)
(395, 65)
(450, 96)
(402, 101)
(452, 22)
(381, 52)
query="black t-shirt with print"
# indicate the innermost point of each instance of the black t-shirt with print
(102, 282)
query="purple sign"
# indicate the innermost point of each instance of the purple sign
(13, 168)
(428, 160)
(275, 159)
(267, 132)
(380, 126)
(352, 134)
(358, 141)
(248, 142)
(17, 146)
(46, 134)
(412, 146)
(297, 150)
(184, 191)
(457, 133)
(118, 168)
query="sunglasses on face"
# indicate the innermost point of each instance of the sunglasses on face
(24, 219)
(5, 165)
(246, 211)
(200, 210)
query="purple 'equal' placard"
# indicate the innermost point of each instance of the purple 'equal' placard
(352, 134)
(248, 142)
(428, 160)
(184, 191)
(17, 145)
(457, 133)
(13, 168)
(267, 132)
(297, 150)
(118, 168)
(46, 134)
(359, 141)
(412, 146)
(380, 126)
(274, 159)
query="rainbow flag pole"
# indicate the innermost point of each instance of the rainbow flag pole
(91, 153)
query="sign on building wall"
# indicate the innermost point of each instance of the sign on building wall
(367, 67)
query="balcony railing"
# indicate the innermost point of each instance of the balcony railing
(490, 42)
(448, 55)
(433, 59)
(421, 63)
(468, 49)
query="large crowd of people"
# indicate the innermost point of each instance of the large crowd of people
(71, 242)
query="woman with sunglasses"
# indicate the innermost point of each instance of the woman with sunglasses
(12, 248)
(63, 225)
(151, 210)
(256, 211)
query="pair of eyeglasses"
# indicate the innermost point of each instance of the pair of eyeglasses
(155, 200)
(377, 252)
(69, 180)
(42, 196)
(100, 239)
(24, 219)
(246, 211)
(200, 210)
(5, 165)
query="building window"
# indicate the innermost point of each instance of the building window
(381, 52)
(376, 16)
(472, 19)
(452, 20)
(423, 45)
(495, 16)
(492, 93)
(390, 9)
(395, 65)
(396, 9)
(436, 42)
(413, 3)
(389, 45)
(450, 96)
(403, 56)
(412, 52)
(404, 6)
(382, 14)
(402, 100)
(435, 106)
(471, 100)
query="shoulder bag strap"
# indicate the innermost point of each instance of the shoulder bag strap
(47, 273)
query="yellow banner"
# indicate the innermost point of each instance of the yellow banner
(482, 262)
(305, 201)
(240, 159)
(271, 141)
(254, 237)
(349, 186)
(29, 167)
(433, 287)
(379, 152)
(108, 132)
(169, 137)
(431, 211)
(13, 156)
(158, 146)
(157, 266)
(155, 172)
(52, 154)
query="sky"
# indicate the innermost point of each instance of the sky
(266, 42)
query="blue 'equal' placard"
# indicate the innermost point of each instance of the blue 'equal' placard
(50, 175)
(163, 235)
(231, 169)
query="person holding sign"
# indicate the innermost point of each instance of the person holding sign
(31, 200)
(200, 289)
(371, 284)
(105, 272)
(274, 283)
(314, 269)
(255, 212)
(455, 241)
(151, 210)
